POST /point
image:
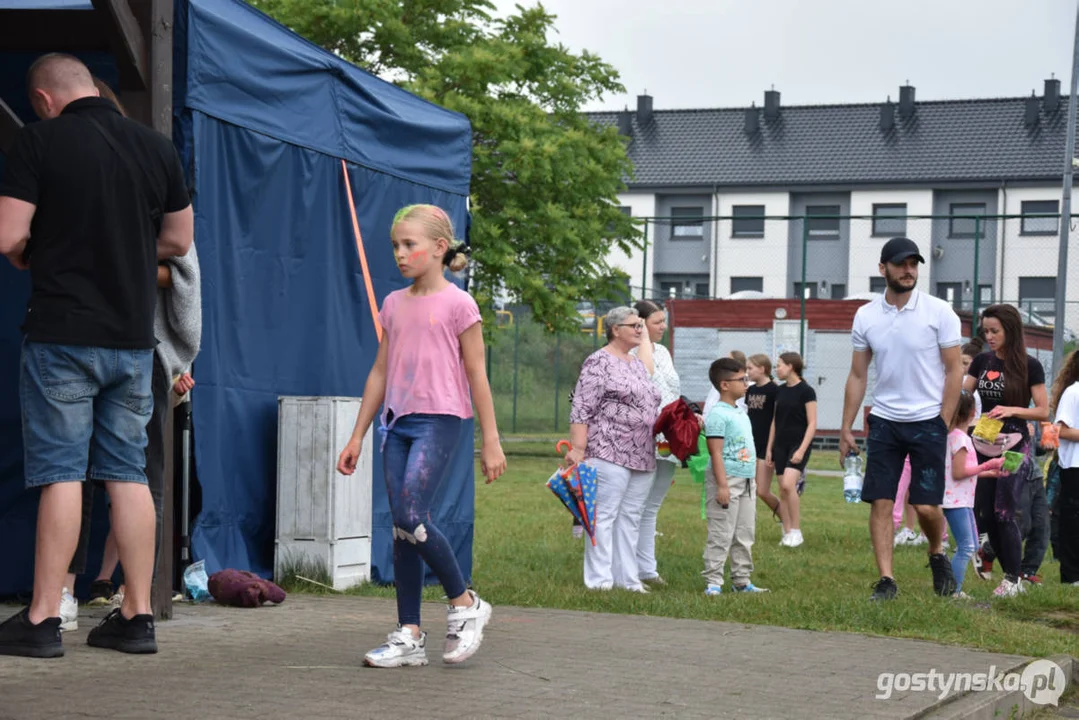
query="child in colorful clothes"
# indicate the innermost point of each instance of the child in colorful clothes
(430, 359)
(961, 474)
(906, 534)
(730, 496)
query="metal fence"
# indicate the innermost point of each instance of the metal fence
(972, 260)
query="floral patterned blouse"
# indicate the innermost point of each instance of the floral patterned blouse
(619, 403)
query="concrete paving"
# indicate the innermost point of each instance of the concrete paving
(302, 659)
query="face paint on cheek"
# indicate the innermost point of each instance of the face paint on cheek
(418, 256)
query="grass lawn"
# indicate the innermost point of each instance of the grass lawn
(541, 445)
(525, 555)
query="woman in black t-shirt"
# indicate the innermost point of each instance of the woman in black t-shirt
(760, 403)
(1009, 381)
(793, 428)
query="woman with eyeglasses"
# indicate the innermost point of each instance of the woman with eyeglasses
(793, 429)
(615, 406)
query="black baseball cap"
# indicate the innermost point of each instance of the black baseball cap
(899, 249)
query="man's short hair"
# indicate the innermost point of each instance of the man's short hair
(723, 370)
(58, 72)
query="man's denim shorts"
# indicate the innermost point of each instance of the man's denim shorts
(84, 413)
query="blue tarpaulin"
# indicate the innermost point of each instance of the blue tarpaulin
(263, 120)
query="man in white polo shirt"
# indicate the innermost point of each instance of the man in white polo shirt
(915, 340)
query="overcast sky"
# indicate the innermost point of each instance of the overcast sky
(726, 53)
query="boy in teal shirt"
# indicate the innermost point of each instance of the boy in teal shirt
(731, 498)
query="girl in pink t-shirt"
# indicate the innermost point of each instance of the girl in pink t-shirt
(428, 372)
(961, 471)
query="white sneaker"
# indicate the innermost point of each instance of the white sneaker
(117, 599)
(464, 629)
(69, 612)
(1007, 588)
(795, 538)
(905, 536)
(401, 649)
(920, 540)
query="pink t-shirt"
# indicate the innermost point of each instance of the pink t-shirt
(958, 493)
(425, 370)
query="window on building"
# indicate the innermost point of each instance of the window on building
(1037, 295)
(951, 292)
(687, 222)
(822, 222)
(877, 284)
(839, 290)
(962, 222)
(738, 284)
(1039, 225)
(889, 219)
(670, 289)
(810, 291)
(748, 221)
(701, 290)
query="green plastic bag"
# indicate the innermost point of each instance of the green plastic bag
(698, 464)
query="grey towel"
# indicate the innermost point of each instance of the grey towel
(178, 316)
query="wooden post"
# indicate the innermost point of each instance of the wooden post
(160, 117)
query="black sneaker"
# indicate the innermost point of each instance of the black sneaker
(884, 589)
(943, 579)
(19, 637)
(129, 636)
(101, 591)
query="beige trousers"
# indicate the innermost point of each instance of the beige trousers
(731, 531)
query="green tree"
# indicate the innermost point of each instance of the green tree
(544, 178)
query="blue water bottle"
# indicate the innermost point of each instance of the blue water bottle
(852, 477)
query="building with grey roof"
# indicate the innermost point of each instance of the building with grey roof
(891, 165)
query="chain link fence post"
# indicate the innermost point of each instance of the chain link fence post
(516, 346)
(557, 384)
(976, 285)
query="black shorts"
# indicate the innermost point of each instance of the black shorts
(761, 446)
(889, 444)
(781, 456)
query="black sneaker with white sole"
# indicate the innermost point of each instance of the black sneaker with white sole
(116, 632)
(943, 578)
(884, 589)
(18, 636)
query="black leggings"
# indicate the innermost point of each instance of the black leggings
(995, 504)
(1068, 510)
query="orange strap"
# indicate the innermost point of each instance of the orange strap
(363, 255)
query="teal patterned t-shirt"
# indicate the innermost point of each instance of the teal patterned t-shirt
(739, 454)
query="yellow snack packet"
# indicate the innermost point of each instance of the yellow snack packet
(987, 428)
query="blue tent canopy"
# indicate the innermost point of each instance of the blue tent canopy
(263, 120)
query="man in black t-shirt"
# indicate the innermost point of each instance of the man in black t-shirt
(89, 203)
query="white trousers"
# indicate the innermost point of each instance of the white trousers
(620, 498)
(646, 545)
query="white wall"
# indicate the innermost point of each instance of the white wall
(752, 257)
(1031, 255)
(865, 249)
(641, 205)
